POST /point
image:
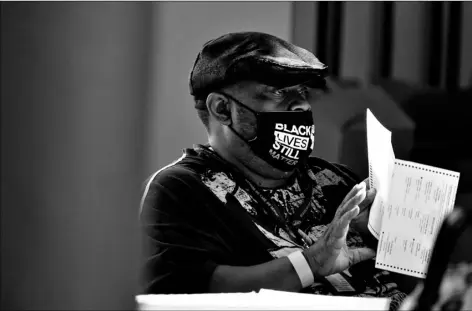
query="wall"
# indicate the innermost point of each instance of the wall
(73, 96)
(466, 51)
(361, 36)
(356, 41)
(75, 104)
(408, 46)
(179, 31)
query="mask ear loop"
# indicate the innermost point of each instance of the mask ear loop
(246, 107)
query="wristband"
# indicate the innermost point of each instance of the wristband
(302, 268)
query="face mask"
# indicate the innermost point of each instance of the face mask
(284, 139)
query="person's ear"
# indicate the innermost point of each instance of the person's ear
(218, 106)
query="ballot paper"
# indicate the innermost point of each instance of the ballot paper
(264, 300)
(381, 166)
(411, 203)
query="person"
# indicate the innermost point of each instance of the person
(252, 208)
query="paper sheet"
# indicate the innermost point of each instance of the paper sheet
(420, 198)
(381, 164)
(233, 301)
(297, 301)
(264, 300)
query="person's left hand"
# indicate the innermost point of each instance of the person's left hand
(360, 222)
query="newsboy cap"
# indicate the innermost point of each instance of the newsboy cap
(256, 57)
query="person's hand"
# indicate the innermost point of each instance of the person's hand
(359, 223)
(330, 254)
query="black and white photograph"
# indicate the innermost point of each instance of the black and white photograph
(236, 155)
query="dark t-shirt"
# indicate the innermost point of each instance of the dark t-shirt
(196, 214)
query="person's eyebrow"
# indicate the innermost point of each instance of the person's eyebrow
(292, 88)
(270, 89)
(263, 88)
(262, 91)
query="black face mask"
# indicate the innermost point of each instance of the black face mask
(284, 139)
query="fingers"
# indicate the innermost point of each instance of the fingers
(346, 212)
(357, 199)
(366, 182)
(369, 198)
(352, 193)
(347, 217)
(353, 201)
(357, 255)
(342, 225)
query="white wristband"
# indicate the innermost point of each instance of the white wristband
(302, 268)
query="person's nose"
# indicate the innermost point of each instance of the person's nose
(300, 104)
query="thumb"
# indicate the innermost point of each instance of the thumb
(357, 255)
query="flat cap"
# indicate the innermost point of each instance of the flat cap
(253, 56)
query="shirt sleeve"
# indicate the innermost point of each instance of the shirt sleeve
(178, 242)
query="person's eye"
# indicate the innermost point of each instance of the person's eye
(278, 93)
(304, 92)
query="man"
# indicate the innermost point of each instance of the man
(252, 209)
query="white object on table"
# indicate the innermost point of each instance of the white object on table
(264, 300)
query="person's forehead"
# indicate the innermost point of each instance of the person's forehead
(257, 89)
(268, 88)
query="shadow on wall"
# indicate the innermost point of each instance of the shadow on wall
(72, 154)
(75, 135)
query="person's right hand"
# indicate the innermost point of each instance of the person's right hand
(330, 254)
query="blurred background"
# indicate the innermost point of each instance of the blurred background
(94, 98)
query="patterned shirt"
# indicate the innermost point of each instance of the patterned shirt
(255, 238)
